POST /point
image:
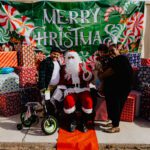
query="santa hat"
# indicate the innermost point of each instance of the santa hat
(72, 53)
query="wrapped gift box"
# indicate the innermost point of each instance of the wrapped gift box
(31, 94)
(145, 62)
(145, 107)
(8, 59)
(101, 110)
(144, 87)
(39, 57)
(138, 102)
(134, 59)
(27, 76)
(10, 104)
(9, 82)
(135, 82)
(144, 74)
(27, 56)
(128, 112)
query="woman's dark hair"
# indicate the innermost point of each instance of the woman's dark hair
(103, 47)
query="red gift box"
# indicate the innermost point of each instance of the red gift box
(101, 110)
(27, 76)
(145, 62)
(10, 104)
(8, 59)
(128, 112)
(27, 56)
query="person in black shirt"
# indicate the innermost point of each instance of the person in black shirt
(117, 80)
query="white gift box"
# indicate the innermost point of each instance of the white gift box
(9, 82)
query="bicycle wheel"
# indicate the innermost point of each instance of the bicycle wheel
(49, 125)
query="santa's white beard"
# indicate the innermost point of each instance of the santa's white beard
(72, 69)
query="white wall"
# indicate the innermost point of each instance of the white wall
(146, 46)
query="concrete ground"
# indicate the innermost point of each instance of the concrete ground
(137, 132)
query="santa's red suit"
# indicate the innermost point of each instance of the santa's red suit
(77, 88)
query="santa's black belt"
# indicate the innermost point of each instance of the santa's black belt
(77, 85)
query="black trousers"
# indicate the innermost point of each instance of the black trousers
(115, 104)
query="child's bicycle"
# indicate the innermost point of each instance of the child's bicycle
(31, 115)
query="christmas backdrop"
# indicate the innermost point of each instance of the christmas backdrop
(73, 25)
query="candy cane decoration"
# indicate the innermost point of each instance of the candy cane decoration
(92, 60)
(110, 10)
(8, 18)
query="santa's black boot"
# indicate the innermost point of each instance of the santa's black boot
(72, 122)
(84, 121)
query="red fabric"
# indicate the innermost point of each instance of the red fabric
(77, 140)
(84, 97)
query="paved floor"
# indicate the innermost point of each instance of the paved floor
(131, 133)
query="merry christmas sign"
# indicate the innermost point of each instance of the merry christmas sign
(74, 25)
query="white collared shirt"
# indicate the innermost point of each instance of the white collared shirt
(56, 74)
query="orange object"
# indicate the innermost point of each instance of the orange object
(77, 140)
(8, 59)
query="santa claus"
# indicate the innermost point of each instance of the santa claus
(76, 76)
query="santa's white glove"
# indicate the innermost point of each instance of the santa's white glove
(67, 76)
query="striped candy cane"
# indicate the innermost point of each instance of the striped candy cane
(110, 10)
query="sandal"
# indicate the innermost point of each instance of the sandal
(112, 130)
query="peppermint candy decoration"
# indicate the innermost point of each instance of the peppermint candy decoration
(26, 27)
(135, 23)
(4, 36)
(110, 10)
(8, 18)
(127, 38)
